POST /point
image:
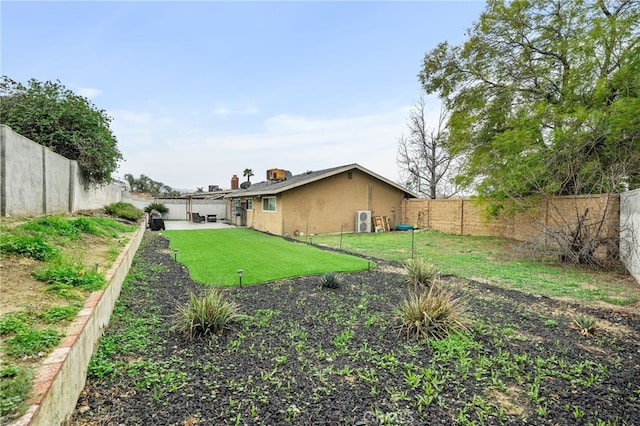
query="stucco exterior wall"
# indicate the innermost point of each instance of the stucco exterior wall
(328, 205)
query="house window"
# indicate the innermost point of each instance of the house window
(349, 175)
(249, 203)
(236, 206)
(269, 204)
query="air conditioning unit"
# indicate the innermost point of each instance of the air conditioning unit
(363, 221)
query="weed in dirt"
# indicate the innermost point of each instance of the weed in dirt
(60, 313)
(15, 387)
(23, 244)
(30, 341)
(73, 274)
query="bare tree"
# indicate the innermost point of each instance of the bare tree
(425, 164)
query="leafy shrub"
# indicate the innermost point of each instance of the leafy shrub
(420, 273)
(15, 387)
(585, 324)
(23, 244)
(209, 314)
(30, 341)
(124, 210)
(73, 274)
(60, 313)
(13, 323)
(61, 226)
(84, 225)
(64, 291)
(329, 280)
(157, 206)
(433, 313)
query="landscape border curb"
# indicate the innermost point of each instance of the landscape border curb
(60, 379)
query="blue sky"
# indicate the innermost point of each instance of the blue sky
(199, 91)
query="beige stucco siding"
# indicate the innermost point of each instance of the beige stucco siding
(329, 205)
(266, 220)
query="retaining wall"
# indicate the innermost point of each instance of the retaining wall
(62, 376)
(35, 181)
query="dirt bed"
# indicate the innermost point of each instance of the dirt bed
(306, 355)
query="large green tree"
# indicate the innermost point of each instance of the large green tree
(544, 97)
(52, 115)
(145, 184)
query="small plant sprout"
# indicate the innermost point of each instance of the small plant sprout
(585, 324)
(329, 280)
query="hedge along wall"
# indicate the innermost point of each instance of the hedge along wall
(464, 216)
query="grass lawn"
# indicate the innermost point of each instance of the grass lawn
(213, 256)
(495, 260)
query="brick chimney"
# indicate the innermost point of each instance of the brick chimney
(234, 182)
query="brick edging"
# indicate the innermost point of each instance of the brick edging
(60, 379)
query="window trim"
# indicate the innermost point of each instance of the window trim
(249, 203)
(265, 199)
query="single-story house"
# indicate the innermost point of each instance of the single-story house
(339, 199)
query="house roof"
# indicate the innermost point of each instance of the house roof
(276, 187)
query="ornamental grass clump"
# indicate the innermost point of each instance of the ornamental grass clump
(421, 274)
(329, 280)
(585, 324)
(206, 315)
(435, 313)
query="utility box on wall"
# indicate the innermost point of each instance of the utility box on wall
(363, 221)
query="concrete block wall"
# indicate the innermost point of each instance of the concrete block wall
(35, 181)
(630, 231)
(178, 206)
(467, 217)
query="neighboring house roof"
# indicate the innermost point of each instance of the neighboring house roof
(276, 187)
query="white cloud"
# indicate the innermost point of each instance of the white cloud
(185, 154)
(224, 111)
(88, 92)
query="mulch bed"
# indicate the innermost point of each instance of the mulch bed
(307, 355)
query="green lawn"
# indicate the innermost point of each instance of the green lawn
(496, 260)
(213, 256)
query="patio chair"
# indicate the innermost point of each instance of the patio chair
(195, 217)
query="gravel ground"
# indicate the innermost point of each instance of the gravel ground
(306, 355)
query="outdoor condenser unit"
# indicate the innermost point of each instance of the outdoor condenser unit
(363, 221)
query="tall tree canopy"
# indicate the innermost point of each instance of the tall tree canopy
(544, 97)
(68, 124)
